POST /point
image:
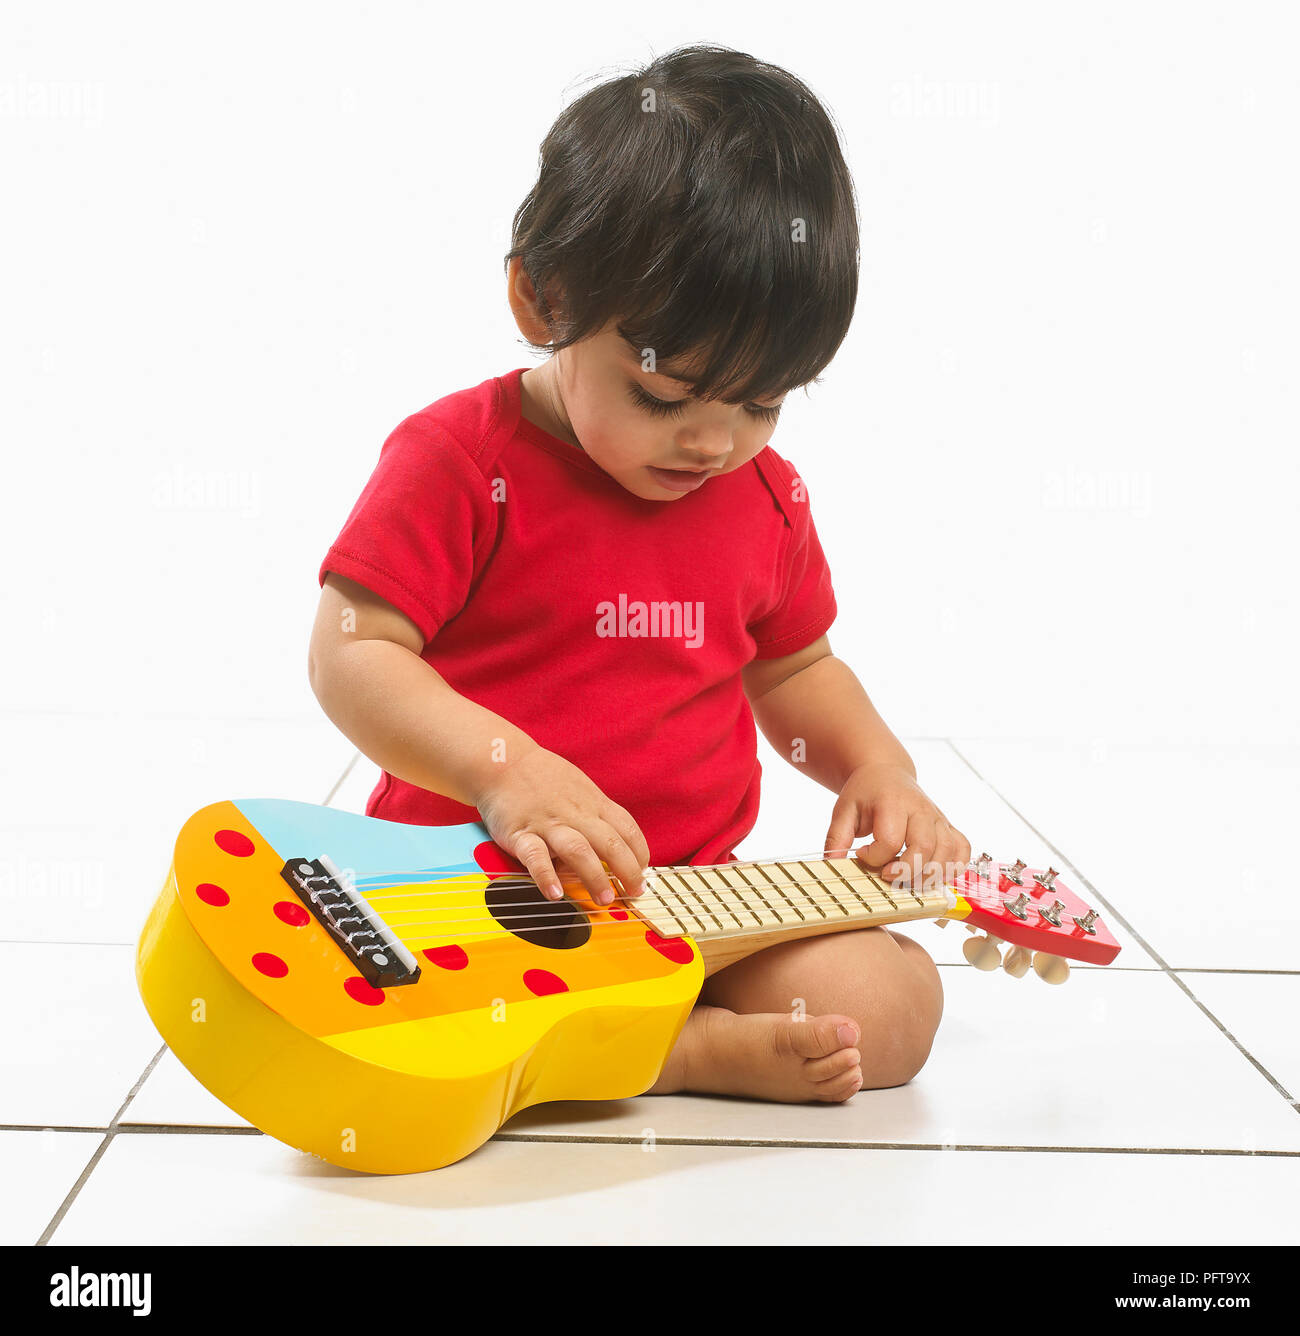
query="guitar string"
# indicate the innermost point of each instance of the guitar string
(876, 885)
(710, 908)
(850, 898)
(702, 911)
(824, 883)
(885, 917)
(880, 913)
(845, 888)
(678, 871)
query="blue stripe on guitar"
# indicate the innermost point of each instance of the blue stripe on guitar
(378, 852)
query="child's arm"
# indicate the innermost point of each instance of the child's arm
(366, 670)
(813, 697)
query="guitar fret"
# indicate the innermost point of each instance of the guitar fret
(686, 889)
(826, 886)
(797, 883)
(734, 905)
(747, 888)
(853, 888)
(656, 911)
(771, 881)
(707, 889)
(668, 902)
(860, 881)
(851, 868)
(666, 888)
(882, 888)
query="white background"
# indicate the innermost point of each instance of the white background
(1053, 466)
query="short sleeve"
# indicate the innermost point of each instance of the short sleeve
(807, 605)
(413, 534)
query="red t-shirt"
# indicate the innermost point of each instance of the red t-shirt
(611, 629)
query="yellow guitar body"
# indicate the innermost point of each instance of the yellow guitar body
(257, 999)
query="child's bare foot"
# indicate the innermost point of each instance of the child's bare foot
(765, 1056)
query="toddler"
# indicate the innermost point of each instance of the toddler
(567, 594)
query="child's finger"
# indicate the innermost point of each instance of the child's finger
(843, 829)
(620, 860)
(888, 829)
(921, 840)
(630, 833)
(532, 851)
(953, 852)
(574, 847)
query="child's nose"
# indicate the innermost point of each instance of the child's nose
(709, 445)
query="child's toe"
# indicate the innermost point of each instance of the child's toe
(825, 1069)
(839, 1088)
(821, 1036)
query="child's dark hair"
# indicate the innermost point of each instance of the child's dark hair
(670, 200)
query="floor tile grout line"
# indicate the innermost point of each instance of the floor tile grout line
(788, 1143)
(338, 783)
(782, 1143)
(1210, 969)
(1137, 937)
(51, 1127)
(109, 1133)
(189, 1129)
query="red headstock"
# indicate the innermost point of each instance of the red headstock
(1043, 920)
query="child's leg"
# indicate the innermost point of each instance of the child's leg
(743, 1038)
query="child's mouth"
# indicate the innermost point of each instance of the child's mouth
(679, 480)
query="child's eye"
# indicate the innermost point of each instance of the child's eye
(659, 407)
(670, 408)
(769, 415)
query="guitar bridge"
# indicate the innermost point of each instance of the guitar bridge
(367, 941)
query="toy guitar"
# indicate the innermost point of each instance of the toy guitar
(386, 996)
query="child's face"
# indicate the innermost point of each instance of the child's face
(599, 393)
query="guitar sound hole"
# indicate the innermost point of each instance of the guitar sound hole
(520, 907)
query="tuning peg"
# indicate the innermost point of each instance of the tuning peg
(1047, 880)
(1053, 912)
(982, 865)
(1087, 921)
(1016, 961)
(982, 952)
(1050, 968)
(1016, 907)
(1013, 872)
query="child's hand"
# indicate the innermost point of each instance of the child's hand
(541, 806)
(885, 802)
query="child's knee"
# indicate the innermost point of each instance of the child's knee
(901, 1033)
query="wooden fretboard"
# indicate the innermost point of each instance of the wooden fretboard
(774, 899)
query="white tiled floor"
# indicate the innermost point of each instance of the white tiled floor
(1155, 1095)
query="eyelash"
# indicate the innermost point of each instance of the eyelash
(671, 408)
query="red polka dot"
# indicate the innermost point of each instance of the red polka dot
(495, 861)
(360, 991)
(449, 957)
(619, 914)
(232, 842)
(542, 982)
(294, 915)
(677, 949)
(270, 965)
(212, 895)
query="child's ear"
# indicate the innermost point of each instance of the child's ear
(532, 314)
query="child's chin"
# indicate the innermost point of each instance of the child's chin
(646, 488)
